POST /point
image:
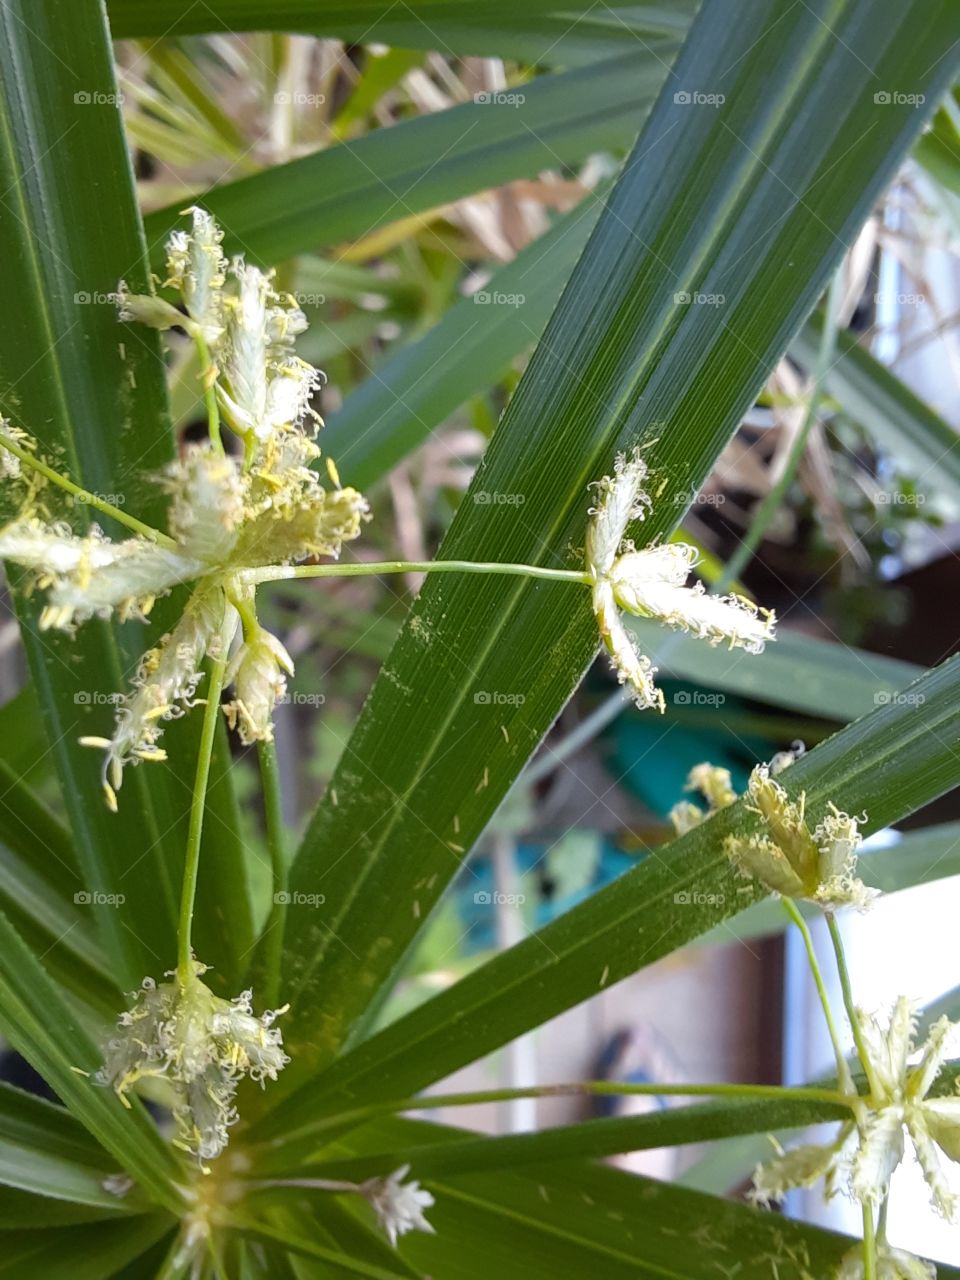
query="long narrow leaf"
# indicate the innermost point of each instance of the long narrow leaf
(482, 668)
(890, 764)
(351, 189)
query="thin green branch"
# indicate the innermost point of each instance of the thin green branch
(208, 382)
(208, 731)
(84, 495)
(358, 569)
(869, 1244)
(580, 1088)
(276, 843)
(843, 1071)
(849, 1004)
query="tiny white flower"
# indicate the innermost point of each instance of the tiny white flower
(263, 388)
(652, 584)
(398, 1205)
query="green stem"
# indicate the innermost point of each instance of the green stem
(273, 814)
(848, 1002)
(843, 1071)
(208, 731)
(581, 1088)
(84, 495)
(869, 1245)
(209, 390)
(771, 504)
(358, 569)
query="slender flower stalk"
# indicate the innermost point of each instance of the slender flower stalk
(572, 1089)
(377, 568)
(198, 803)
(843, 1071)
(397, 1203)
(272, 938)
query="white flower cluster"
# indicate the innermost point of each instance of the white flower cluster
(202, 1046)
(227, 514)
(869, 1147)
(398, 1205)
(652, 584)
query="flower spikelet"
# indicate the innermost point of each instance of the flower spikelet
(652, 584)
(398, 1205)
(196, 266)
(202, 1046)
(869, 1147)
(715, 784)
(259, 673)
(792, 860)
(91, 576)
(165, 687)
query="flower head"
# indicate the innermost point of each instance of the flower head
(228, 515)
(651, 583)
(794, 861)
(202, 1046)
(398, 1205)
(868, 1148)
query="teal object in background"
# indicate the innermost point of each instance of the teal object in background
(650, 757)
